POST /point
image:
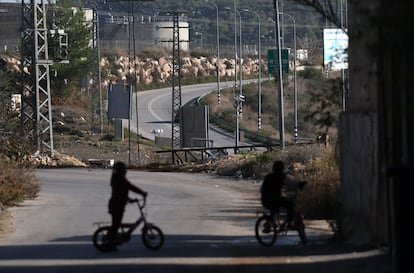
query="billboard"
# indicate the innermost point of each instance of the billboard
(335, 49)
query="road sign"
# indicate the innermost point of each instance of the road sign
(272, 60)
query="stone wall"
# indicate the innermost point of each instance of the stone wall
(159, 70)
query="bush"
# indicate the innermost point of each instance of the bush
(17, 182)
(247, 168)
(313, 163)
(319, 199)
(311, 73)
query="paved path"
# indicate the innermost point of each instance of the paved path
(208, 223)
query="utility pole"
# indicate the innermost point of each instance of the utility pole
(176, 84)
(259, 80)
(236, 97)
(176, 78)
(218, 63)
(240, 65)
(280, 77)
(96, 70)
(35, 65)
(295, 83)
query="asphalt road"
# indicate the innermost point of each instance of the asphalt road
(208, 225)
(154, 112)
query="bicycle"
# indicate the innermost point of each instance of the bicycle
(152, 236)
(270, 224)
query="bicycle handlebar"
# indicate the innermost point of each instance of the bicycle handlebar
(141, 202)
(292, 193)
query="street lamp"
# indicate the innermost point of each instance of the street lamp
(200, 34)
(235, 47)
(259, 84)
(280, 77)
(240, 63)
(235, 75)
(295, 88)
(218, 53)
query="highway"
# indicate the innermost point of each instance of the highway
(154, 113)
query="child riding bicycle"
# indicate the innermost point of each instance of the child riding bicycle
(271, 190)
(119, 198)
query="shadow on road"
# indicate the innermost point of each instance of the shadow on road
(191, 253)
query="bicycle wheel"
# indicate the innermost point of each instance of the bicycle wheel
(100, 238)
(152, 237)
(266, 230)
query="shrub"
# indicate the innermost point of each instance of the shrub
(17, 182)
(264, 158)
(311, 73)
(313, 163)
(319, 200)
(247, 168)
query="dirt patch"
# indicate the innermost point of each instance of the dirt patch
(76, 145)
(89, 149)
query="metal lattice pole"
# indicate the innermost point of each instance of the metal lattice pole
(28, 96)
(176, 84)
(36, 97)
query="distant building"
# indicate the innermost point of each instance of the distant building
(10, 27)
(115, 30)
(302, 54)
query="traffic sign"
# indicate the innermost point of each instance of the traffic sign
(272, 60)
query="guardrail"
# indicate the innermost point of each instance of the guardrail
(179, 156)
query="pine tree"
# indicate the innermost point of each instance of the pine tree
(66, 78)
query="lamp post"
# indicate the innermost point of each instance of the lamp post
(280, 77)
(240, 65)
(295, 86)
(200, 34)
(235, 63)
(259, 83)
(235, 46)
(218, 53)
(235, 76)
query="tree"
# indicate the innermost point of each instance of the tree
(14, 141)
(326, 8)
(325, 103)
(72, 21)
(8, 85)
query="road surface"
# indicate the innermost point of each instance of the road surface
(154, 113)
(207, 221)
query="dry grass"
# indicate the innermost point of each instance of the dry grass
(314, 163)
(17, 183)
(319, 200)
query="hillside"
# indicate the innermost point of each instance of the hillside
(318, 107)
(73, 122)
(202, 17)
